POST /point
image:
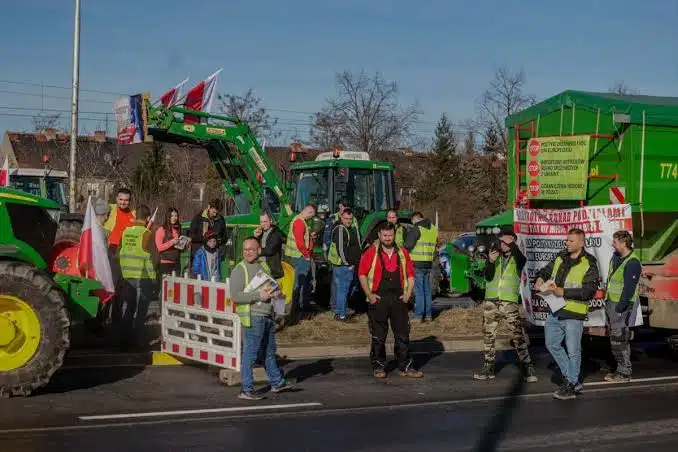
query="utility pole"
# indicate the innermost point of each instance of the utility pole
(74, 108)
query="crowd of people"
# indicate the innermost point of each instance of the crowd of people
(394, 267)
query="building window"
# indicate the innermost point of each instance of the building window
(198, 192)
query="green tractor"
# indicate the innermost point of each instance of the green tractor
(37, 306)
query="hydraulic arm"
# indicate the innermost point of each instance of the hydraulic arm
(233, 149)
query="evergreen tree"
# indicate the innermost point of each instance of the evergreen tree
(151, 174)
(443, 168)
(492, 142)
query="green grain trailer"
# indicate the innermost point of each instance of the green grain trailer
(633, 153)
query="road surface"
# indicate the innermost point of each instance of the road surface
(339, 407)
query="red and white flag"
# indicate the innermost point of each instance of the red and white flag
(171, 97)
(200, 97)
(149, 225)
(4, 173)
(93, 254)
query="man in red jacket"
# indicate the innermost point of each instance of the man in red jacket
(386, 274)
(299, 248)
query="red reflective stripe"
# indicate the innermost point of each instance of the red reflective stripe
(164, 345)
(177, 292)
(175, 348)
(205, 292)
(190, 294)
(219, 359)
(221, 300)
(189, 351)
(203, 356)
(164, 290)
(234, 362)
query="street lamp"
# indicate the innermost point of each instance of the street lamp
(74, 107)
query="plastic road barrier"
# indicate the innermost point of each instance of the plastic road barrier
(199, 322)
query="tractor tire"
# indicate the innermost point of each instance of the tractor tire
(31, 293)
(69, 231)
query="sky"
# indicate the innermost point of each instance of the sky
(442, 53)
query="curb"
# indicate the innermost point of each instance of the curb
(80, 359)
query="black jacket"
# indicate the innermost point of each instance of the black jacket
(200, 224)
(589, 286)
(349, 250)
(272, 251)
(517, 255)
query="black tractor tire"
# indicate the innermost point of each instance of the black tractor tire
(35, 288)
(69, 231)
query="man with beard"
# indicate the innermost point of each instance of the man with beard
(386, 275)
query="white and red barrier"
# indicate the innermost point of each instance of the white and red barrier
(199, 322)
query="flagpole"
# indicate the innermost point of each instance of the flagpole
(74, 108)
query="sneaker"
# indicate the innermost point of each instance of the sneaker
(565, 392)
(618, 378)
(578, 388)
(529, 373)
(250, 396)
(284, 386)
(486, 373)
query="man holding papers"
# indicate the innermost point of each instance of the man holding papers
(573, 277)
(255, 308)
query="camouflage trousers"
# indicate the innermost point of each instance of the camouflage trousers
(493, 313)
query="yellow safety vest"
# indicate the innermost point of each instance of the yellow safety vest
(109, 224)
(333, 254)
(505, 286)
(403, 268)
(615, 281)
(135, 262)
(244, 310)
(574, 280)
(425, 248)
(354, 224)
(400, 235)
(291, 248)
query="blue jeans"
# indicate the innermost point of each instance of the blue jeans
(259, 342)
(555, 330)
(342, 280)
(302, 281)
(137, 297)
(423, 300)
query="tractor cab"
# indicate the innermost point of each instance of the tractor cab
(332, 176)
(49, 184)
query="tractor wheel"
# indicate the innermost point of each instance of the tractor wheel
(69, 231)
(34, 329)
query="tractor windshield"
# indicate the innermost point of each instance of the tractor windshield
(53, 188)
(366, 190)
(312, 187)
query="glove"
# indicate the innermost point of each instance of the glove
(622, 307)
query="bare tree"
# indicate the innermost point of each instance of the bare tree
(621, 88)
(43, 121)
(364, 115)
(249, 109)
(505, 96)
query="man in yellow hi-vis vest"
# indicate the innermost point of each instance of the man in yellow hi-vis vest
(502, 302)
(620, 298)
(573, 275)
(138, 275)
(257, 320)
(421, 241)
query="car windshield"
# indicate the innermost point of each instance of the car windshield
(312, 187)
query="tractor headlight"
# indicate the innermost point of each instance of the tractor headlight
(481, 249)
(471, 249)
(55, 214)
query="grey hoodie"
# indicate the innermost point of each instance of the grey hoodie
(239, 296)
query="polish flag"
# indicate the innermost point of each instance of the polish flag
(93, 255)
(149, 225)
(4, 173)
(200, 97)
(171, 97)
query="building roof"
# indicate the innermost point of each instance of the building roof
(659, 111)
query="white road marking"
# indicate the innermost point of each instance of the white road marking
(102, 417)
(633, 380)
(322, 412)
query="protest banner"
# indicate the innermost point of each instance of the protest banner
(541, 236)
(557, 167)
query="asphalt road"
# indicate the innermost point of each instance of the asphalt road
(339, 407)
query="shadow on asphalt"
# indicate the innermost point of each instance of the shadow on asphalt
(67, 380)
(308, 370)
